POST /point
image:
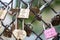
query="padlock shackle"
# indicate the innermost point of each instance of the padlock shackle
(44, 22)
(43, 6)
(22, 2)
(43, 26)
(48, 26)
(51, 7)
(28, 5)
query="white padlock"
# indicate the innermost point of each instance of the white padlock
(19, 34)
(2, 13)
(24, 13)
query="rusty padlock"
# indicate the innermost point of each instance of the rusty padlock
(56, 20)
(28, 28)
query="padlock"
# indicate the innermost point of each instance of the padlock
(24, 13)
(49, 32)
(55, 20)
(2, 13)
(28, 28)
(7, 33)
(19, 34)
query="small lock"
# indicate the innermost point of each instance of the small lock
(55, 20)
(7, 33)
(19, 34)
(2, 13)
(24, 13)
(49, 33)
(28, 28)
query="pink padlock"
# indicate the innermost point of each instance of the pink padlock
(49, 32)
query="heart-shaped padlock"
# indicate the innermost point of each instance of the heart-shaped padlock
(19, 34)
